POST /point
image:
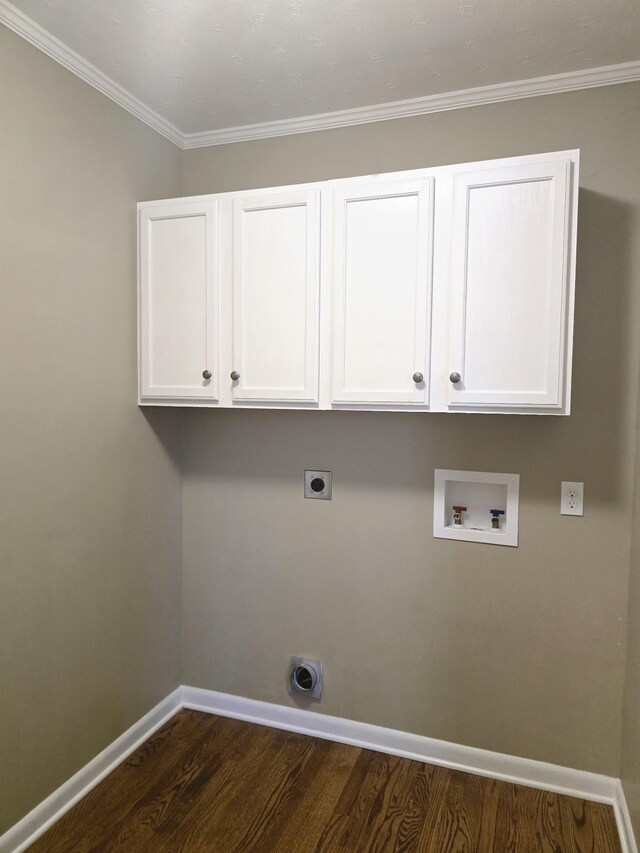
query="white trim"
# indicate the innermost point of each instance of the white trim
(36, 35)
(623, 820)
(495, 765)
(34, 824)
(607, 75)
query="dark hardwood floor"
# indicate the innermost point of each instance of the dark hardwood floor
(205, 783)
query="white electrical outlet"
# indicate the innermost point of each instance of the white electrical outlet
(572, 499)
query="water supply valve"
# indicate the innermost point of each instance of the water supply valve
(457, 514)
(495, 520)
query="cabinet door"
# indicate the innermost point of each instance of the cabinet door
(178, 296)
(510, 251)
(382, 293)
(276, 285)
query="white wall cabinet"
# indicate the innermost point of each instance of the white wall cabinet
(276, 292)
(445, 289)
(178, 296)
(382, 293)
(509, 286)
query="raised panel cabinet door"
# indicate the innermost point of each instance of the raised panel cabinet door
(276, 287)
(178, 301)
(510, 287)
(382, 293)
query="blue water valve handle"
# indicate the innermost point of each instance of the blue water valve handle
(496, 512)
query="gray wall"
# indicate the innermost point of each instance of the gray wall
(90, 497)
(517, 650)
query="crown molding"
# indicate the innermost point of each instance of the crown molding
(552, 84)
(23, 26)
(608, 75)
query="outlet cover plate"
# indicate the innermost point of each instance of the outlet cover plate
(317, 484)
(571, 498)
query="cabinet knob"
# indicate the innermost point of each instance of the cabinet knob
(417, 377)
(235, 375)
(455, 378)
(206, 374)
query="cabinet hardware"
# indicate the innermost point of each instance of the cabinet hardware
(206, 374)
(235, 375)
(418, 377)
(455, 378)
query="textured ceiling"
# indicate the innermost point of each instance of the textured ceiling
(210, 64)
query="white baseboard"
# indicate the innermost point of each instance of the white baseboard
(34, 824)
(623, 819)
(522, 771)
(509, 768)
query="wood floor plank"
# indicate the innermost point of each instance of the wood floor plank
(355, 782)
(375, 780)
(181, 785)
(605, 831)
(278, 795)
(221, 822)
(549, 828)
(458, 827)
(206, 784)
(309, 821)
(515, 819)
(329, 841)
(423, 801)
(389, 808)
(579, 829)
(108, 803)
(202, 819)
(435, 798)
(343, 818)
(489, 817)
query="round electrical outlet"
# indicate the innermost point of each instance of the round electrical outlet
(317, 484)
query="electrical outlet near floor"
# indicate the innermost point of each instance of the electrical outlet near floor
(572, 499)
